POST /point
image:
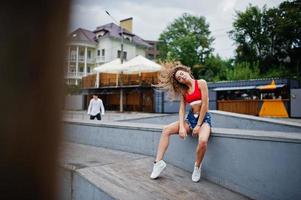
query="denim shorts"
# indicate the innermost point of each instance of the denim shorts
(193, 120)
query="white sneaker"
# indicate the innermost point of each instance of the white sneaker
(157, 169)
(196, 175)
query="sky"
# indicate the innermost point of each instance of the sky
(151, 17)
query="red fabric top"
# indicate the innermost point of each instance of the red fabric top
(195, 96)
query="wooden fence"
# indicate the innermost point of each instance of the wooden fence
(107, 79)
(89, 81)
(250, 107)
(133, 100)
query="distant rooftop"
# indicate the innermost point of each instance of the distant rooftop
(111, 30)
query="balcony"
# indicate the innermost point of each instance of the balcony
(91, 60)
(100, 59)
(81, 59)
(74, 75)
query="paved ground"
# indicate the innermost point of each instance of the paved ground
(109, 115)
(125, 175)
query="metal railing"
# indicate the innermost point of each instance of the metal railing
(81, 59)
(100, 59)
(76, 75)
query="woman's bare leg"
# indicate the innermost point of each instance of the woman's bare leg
(168, 130)
(202, 143)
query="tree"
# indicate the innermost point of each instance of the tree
(187, 39)
(213, 69)
(270, 36)
(243, 71)
(251, 34)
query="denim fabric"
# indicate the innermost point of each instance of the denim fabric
(192, 120)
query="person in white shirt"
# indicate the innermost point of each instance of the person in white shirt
(95, 107)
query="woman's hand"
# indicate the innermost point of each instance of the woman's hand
(182, 133)
(196, 130)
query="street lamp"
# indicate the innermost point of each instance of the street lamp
(121, 53)
(121, 60)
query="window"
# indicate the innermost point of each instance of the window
(81, 52)
(88, 69)
(124, 54)
(103, 52)
(98, 52)
(81, 69)
(89, 54)
(127, 37)
(100, 34)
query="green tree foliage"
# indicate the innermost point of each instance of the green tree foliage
(243, 71)
(213, 69)
(187, 39)
(270, 36)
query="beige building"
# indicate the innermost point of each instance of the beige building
(87, 49)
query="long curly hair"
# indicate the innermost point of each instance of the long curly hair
(167, 79)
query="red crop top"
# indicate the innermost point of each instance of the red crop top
(195, 96)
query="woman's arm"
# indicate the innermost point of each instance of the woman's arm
(205, 100)
(182, 130)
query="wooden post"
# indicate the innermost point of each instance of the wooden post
(32, 39)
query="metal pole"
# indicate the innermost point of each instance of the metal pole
(121, 60)
(121, 82)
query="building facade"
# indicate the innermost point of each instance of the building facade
(87, 49)
(152, 52)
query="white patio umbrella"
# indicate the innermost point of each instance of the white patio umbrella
(114, 67)
(140, 64)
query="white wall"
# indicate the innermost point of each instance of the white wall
(140, 51)
(105, 43)
(74, 102)
(112, 46)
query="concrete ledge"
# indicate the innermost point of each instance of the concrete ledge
(223, 119)
(258, 164)
(216, 132)
(73, 186)
(251, 117)
(257, 135)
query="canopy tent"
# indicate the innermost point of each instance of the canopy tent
(137, 65)
(113, 67)
(140, 64)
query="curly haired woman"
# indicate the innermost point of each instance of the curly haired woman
(179, 82)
